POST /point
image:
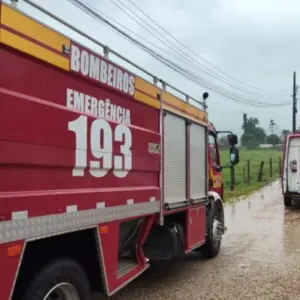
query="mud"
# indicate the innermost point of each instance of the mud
(259, 259)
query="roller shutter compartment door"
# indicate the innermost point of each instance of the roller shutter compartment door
(174, 160)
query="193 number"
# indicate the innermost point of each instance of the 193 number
(102, 137)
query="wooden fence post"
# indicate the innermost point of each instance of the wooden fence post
(261, 171)
(271, 167)
(279, 165)
(248, 172)
(232, 176)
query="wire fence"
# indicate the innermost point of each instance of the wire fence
(252, 172)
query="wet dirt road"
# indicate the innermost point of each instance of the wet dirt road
(260, 258)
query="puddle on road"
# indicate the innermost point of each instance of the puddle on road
(263, 219)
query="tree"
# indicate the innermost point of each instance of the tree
(250, 126)
(285, 132)
(260, 135)
(273, 139)
(249, 141)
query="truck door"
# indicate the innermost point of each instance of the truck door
(215, 176)
(284, 165)
(293, 164)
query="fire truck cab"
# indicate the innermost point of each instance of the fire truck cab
(102, 171)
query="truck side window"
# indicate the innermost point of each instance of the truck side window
(213, 149)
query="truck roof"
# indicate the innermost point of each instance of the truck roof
(30, 36)
(293, 134)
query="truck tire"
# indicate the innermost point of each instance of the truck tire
(287, 201)
(212, 246)
(62, 279)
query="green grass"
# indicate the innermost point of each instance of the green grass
(255, 157)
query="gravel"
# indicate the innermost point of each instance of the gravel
(259, 258)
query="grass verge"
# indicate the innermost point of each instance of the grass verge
(246, 180)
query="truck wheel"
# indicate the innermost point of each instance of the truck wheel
(287, 201)
(212, 245)
(61, 280)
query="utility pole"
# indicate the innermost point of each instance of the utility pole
(272, 125)
(295, 89)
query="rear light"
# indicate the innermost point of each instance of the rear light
(293, 166)
(14, 250)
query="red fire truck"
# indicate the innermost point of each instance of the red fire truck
(101, 171)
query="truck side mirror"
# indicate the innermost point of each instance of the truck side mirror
(234, 155)
(232, 139)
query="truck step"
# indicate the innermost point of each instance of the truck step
(125, 265)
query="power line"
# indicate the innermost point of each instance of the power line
(149, 42)
(197, 55)
(170, 64)
(187, 54)
(186, 73)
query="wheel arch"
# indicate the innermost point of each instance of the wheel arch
(80, 245)
(218, 203)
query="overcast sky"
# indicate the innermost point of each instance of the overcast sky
(255, 41)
